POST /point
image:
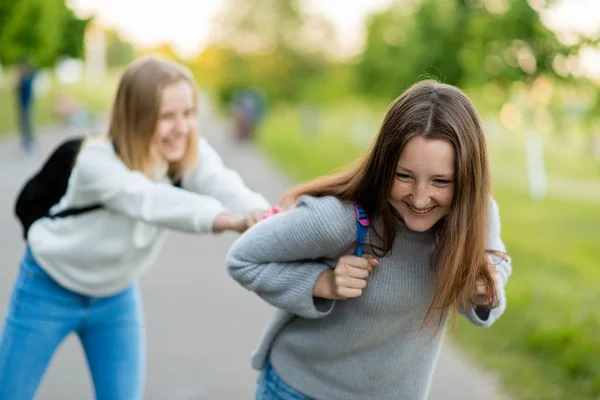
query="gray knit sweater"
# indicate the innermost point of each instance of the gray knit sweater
(355, 349)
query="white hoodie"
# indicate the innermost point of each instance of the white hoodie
(101, 252)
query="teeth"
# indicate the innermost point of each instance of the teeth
(420, 211)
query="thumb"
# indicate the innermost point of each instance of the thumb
(371, 259)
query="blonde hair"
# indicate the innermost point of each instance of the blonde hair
(136, 110)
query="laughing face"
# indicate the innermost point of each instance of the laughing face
(176, 121)
(423, 186)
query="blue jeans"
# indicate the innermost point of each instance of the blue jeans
(42, 313)
(271, 387)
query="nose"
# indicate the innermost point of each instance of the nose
(420, 196)
(182, 125)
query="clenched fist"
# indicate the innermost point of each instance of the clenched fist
(347, 280)
(482, 296)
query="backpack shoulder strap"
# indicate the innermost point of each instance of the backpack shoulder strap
(362, 226)
(92, 207)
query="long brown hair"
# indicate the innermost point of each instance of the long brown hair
(434, 111)
(136, 110)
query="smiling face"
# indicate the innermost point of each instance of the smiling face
(423, 187)
(176, 121)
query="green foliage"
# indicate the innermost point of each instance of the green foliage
(510, 46)
(271, 45)
(550, 329)
(118, 52)
(72, 44)
(457, 43)
(408, 41)
(336, 82)
(39, 31)
(274, 45)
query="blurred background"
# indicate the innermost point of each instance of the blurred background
(309, 82)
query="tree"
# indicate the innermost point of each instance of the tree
(506, 44)
(72, 44)
(459, 42)
(409, 40)
(272, 44)
(118, 51)
(40, 31)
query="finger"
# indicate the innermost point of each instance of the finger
(481, 289)
(257, 215)
(348, 293)
(342, 280)
(358, 262)
(245, 222)
(368, 269)
(480, 300)
(371, 259)
(354, 283)
(358, 273)
(364, 267)
(494, 272)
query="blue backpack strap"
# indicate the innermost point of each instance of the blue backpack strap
(362, 226)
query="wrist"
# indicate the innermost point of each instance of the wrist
(227, 220)
(324, 286)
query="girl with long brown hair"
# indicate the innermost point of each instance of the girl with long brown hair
(369, 327)
(83, 260)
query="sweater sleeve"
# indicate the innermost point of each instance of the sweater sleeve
(211, 177)
(281, 258)
(99, 176)
(480, 315)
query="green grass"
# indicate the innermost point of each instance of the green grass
(547, 345)
(96, 95)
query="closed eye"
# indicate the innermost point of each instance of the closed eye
(403, 177)
(442, 182)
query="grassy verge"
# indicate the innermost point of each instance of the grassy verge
(547, 344)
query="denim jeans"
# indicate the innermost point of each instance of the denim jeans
(42, 313)
(271, 387)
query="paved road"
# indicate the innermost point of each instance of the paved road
(201, 326)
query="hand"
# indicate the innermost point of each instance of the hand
(254, 217)
(271, 211)
(481, 298)
(347, 280)
(229, 221)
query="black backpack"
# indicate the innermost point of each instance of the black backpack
(48, 186)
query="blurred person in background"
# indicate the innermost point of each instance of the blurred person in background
(79, 273)
(248, 109)
(25, 97)
(358, 327)
(72, 112)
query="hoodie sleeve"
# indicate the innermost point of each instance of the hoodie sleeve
(211, 177)
(99, 176)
